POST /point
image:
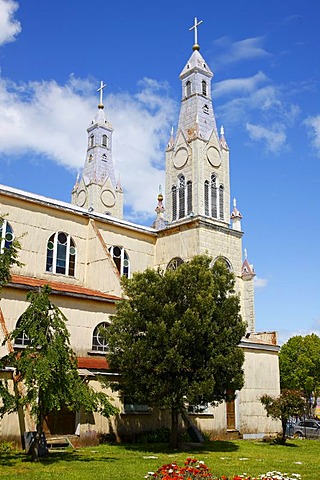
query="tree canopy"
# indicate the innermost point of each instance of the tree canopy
(47, 366)
(175, 336)
(300, 366)
(288, 404)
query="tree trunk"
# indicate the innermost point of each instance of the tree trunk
(174, 427)
(284, 426)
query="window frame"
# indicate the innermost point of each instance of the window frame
(123, 257)
(55, 261)
(95, 348)
(7, 229)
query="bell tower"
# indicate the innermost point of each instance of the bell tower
(97, 189)
(197, 160)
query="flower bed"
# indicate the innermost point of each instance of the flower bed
(194, 469)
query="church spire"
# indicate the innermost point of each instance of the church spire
(197, 160)
(98, 188)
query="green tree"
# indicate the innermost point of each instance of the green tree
(300, 367)
(288, 404)
(175, 336)
(8, 258)
(47, 367)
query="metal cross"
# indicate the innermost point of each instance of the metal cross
(102, 85)
(194, 27)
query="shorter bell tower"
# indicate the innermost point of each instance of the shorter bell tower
(97, 189)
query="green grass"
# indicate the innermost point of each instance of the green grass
(132, 462)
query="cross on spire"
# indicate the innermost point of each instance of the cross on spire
(102, 86)
(195, 28)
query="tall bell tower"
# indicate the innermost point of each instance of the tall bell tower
(97, 189)
(197, 160)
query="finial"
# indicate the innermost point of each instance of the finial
(102, 86)
(172, 131)
(234, 202)
(245, 254)
(160, 196)
(222, 130)
(195, 28)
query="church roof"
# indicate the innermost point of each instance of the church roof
(60, 287)
(196, 62)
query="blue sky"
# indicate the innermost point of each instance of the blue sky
(265, 56)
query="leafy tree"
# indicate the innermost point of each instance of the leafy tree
(8, 258)
(300, 367)
(175, 336)
(288, 404)
(47, 367)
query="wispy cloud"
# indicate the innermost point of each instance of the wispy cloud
(274, 138)
(260, 282)
(52, 119)
(247, 49)
(239, 85)
(9, 26)
(313, 124)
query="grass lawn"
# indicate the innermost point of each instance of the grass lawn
(132, 462)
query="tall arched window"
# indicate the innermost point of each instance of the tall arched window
(6, 235)
(214, 210)
(188, 88)
(221, 202)
(174, 202)
(204, 88)
(189, 197)
(91, 141)
(121, 259)
(206, 198)
(61, 254)
(21, 340)
(182, 210)
(105, 141)
(99, 341)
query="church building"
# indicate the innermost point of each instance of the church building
(81, 249)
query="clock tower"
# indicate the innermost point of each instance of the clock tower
(197, 160)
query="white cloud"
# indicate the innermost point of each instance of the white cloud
(274, 138)
(51, 120)
(246, 49)
(260, 282)
(314, 132)
(242, 85)
(9, 27)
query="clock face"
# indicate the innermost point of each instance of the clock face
(81, 198)
(180, 157)
(213, 156)
(108, 199)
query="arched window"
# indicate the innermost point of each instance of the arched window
(99, 341)
(221, 202)
(174, 263)
(21, 340)
(189, 197)
(105, 141)
(224, 260)
(91, 141)
(188, 88)
(61, 254)
(206, 198)
(182, 185)
(6, 235)
(214, 210)
(121, 259)
(204, 88)
(174, 202)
